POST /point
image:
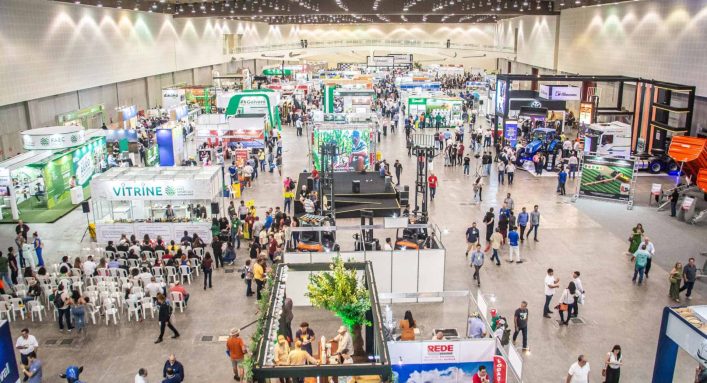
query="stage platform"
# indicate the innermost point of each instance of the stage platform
(374, 195)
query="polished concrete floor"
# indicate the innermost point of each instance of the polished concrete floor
(589, 236)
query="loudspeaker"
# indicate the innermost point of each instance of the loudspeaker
(310, 184)
(356, 186)
(214, 208)
(85, 207)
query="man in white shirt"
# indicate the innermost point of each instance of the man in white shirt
(580, 290)
(26, 344)
(89, 267)
(579, 371)
(247, 174)
(650, 248)
(551, 284)
(141, 376)
(153, 288)
(388, 245)
(308, 205)
(344, 341)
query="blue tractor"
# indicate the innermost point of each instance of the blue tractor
(543, 140)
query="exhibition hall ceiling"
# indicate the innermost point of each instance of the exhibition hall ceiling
(350, 11)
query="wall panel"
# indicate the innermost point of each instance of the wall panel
(13, 119)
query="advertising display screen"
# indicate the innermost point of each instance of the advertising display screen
(353, 144)
(501, 97)
(442, 362)
(606, 177)
(511, 132)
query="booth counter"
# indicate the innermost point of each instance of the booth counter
(135, 200)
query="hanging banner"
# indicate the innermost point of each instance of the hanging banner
(606, 177)
(500, 370)
(241, 157)
(511, 132)
(8, 362)
(443, 361)
(172, 98)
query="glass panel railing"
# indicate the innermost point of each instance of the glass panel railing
(371, 42)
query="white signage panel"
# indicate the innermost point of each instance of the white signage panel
(112, 231)
(52, 141)
(545, 92)
(154, 190)
(693, 341)
(565, 93)
(172, 98)
(381, 61)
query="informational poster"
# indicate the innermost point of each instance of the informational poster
(511, 132)
(586, 113)
(353, 148)
(442, 361)
(606, 177)
(241, 157)
(8, 363)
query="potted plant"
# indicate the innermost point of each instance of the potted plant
(340, 292)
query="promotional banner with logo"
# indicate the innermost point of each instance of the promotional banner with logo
(33, 140)
(154, 190)
(511, 132)
(172, 98)
(606, 177)
(8, 363)
(560, 93)
(442, 362)
(501, 97)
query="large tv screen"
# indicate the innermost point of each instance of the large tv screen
(354, 148)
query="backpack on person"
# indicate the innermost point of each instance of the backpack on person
(58, 301)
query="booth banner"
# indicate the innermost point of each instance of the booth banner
(172, 98)
(241, 157)
(441, 362)
(586, 113)
(5, 182)
(201, 229)
(151, 190)
(129, 112)
(560, 93)
(117, 135)
(54, 140)
(155, 229)
(500, 369)
(501, 97)
(606, 177)
(353, 146)
(246, 129)
(511, 132)
(8, 363)
(152, 156)
(687, 337)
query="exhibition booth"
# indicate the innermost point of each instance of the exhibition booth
(52, 177)
(260, 101)
(681, 329)
(92, 117)
(450, 108)
(136, 200)
(242, 131)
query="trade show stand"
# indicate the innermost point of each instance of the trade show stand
(134, 201)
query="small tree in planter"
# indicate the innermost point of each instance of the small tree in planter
(340, 292)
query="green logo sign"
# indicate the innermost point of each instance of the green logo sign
(74, 139)
(169, 191)
(44, 141)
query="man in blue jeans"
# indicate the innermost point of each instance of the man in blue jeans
(551, 284)
(523, 218)
(534, 222)
(641, 256)
(689, 275)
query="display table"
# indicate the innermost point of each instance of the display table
(112, 231)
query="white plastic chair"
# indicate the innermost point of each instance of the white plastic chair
(5, 310)
(159, 254)
(146, 253)
(35, 307)
(133, 309)
(109, 310)
(196, 265)
(157, 271)
(93, 310)
(185, 273)
(199, 251)
(147, 304)
(177, 300)
(171, 274)
(17, 306)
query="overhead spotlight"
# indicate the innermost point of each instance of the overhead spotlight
(77, 1)
(154, 5)
(99, 4)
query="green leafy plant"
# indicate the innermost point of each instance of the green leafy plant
(340, 292)
(257, 337)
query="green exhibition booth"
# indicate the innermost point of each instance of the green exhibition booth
(256, 101)
(53, 176)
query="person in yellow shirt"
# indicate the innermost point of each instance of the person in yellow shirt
(259, 276)
(299, 357)
(282, 351)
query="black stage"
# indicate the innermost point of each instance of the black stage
(373, 196)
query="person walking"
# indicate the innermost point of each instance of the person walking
(689, 275)
(489, 220)
(675, 277)
(580, 293)
(432, 183)
(612, 369)
(236, 350)
(579, 371)
(477, 260)
(641, 259)
(467, 162)
(5, 271)
(514, 245)
(674, 196)
(510, 172)
(551, 284)
(650, 248)
(164, 315)
(33, 371)
(62, 303)
(523, 218)
(520, 321)
(472, 238)
(534, 222)
(398, 170)
(496, 242)
(635, 239)
(207, 266)
(567, 303)
(177, 368)
(561, 181)
(259, 276)
(26, 344)
(501, 167)
(573, 162)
